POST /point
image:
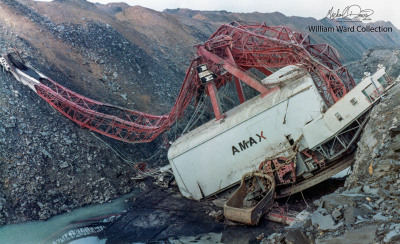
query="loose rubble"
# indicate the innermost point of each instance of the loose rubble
(367, 208)
(49, 165)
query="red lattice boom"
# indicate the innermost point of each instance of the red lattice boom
(229, 53)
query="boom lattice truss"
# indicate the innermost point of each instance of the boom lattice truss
(229, 53)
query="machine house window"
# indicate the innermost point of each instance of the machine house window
(370, 93)
(384, 80)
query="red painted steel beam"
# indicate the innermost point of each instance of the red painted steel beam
(125, 125)
(232, 69)
(239, 89)
(230, 51)
(213, 93)
(231, 59)
(238, 85)
(264, 71)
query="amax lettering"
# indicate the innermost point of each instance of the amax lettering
(245, 144)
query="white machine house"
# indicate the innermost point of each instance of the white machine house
(214, 156)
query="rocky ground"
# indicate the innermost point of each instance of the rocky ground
(162, 215)
(132, 57)
(367, 208)
(386, 56)
(48, 165)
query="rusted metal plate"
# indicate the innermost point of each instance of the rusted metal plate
(234, 208)
(284, 218)
(324, 175)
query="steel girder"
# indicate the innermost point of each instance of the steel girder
(229, 53)
(258, 45)
(115, 122)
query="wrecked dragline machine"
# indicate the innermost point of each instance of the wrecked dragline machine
(300, 130)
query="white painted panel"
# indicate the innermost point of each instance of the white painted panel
(327, 124)
(209, 166)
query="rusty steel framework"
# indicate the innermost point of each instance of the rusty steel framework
(229, 53)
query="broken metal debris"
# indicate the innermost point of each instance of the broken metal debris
(236, 209)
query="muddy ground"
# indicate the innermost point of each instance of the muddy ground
(159, 215)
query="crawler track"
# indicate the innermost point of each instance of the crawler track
(318, 178)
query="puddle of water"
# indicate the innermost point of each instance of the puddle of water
(35, 232)
(208, 238)
(88, 240)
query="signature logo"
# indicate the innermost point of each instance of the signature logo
(350, 13)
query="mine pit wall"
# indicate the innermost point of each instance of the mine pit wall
(375, 144)
(49, 164)
(366, 209)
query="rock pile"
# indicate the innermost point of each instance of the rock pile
(367, 208)
(344, 218)
(386, 56)
(341, 217)
(48, 164)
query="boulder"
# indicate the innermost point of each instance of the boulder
(356, 190)
(358, 236)
(380, 217)
(64, 165)
(392, 236)
(366, 208)
(295, 234)
(336, 214)
(384, 167)
(351, 213)
(378, 192)
(325, 223)
(335, 200)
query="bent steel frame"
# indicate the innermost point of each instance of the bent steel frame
(229, 53)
